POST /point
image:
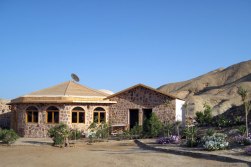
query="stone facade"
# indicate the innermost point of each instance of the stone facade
(40, 129)
(5, 114)
(141, 98)
(30, 112)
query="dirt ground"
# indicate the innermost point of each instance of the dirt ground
(105, 154)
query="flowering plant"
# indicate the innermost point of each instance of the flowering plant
(173, 139)
(243, 140)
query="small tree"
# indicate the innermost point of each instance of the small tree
(244, 97)
(191, 133)
(155, 126)
(205, 117)
(60, 134)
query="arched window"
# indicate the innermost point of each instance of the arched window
(99, 115)
(52, 115)
(32, 114)
(78, 115)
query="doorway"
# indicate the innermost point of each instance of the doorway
(133, 117)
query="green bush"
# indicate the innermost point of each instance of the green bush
(155, 125)
(222, 121)
(136, 131)
(210, 132)
(98, 131)
(200, 118)
(167, 129)
(205, 117)
(152, 127)
(75, 134)
(60, 134)
(8, 136)
(242, 130)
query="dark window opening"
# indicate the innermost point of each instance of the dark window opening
(134, 117)
(74, 117)
(95, 119)
(78, 115)
(52, 115)
(81, 117)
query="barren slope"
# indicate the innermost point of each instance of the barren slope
(218, 88)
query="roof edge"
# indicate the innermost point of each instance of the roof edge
(144, 86)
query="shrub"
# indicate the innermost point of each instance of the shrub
(8, 136)
(167, 129)
(102, 131)
(168, 140)
(200, 118)
(238, 120)
(191, 135)
(125, 135)
(242, 130)
(205, 117)
(98, 131)
(243, 140)
(215, 142)
(222, 121)
(136, 131)
(155, 126)
(60, 134)
(210, 132)
(75, 134)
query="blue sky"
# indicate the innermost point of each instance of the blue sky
(116, 44)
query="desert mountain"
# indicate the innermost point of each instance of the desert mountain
(217, 88)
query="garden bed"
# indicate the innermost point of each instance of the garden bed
(236, 154)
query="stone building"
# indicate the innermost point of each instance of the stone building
(79, 106)
(138, 102)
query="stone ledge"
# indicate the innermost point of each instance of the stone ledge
(207, 156)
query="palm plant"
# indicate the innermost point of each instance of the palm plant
(244, 97)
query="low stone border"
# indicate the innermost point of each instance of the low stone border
(192, 154)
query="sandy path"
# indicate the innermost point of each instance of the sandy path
(122, 153)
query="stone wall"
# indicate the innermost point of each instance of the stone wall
(141, 98)
(40, 129)
(5, 114)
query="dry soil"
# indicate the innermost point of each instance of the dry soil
(106, 154)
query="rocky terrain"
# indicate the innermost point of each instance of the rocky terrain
(217, 88)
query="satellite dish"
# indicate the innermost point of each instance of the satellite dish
(75, 77)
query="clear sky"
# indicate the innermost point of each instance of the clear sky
(116, 44)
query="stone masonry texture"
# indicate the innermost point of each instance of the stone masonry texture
(141, 98)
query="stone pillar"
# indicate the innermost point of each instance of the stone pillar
(140, 117)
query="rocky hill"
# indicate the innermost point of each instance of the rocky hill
(217, 88)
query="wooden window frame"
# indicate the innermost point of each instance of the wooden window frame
(99, 116)
(53, 118)
(78, 117)
(32, 116)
